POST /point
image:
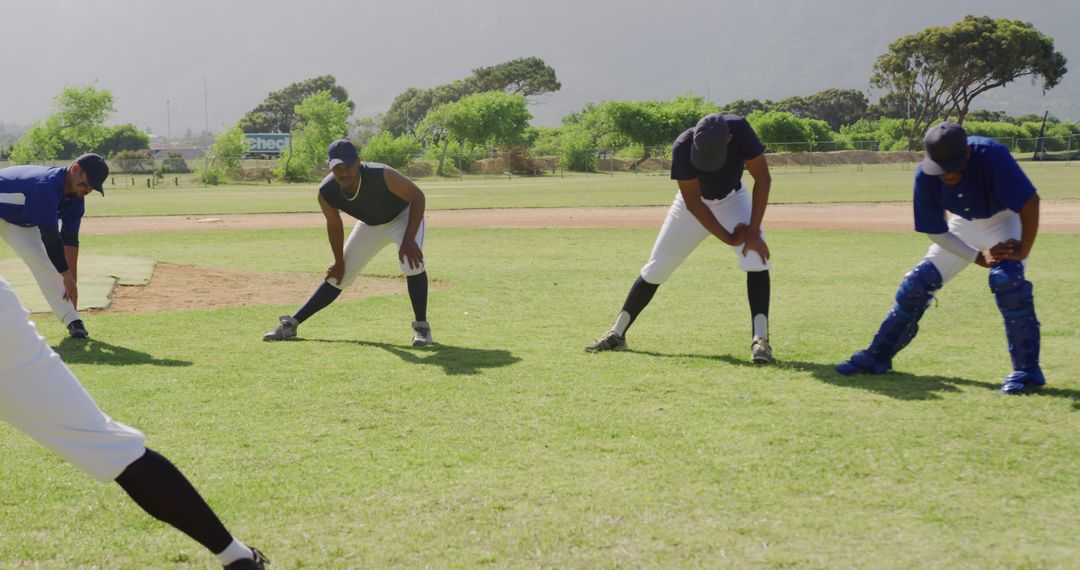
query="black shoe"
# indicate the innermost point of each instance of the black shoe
(610, 341)
(258, 563)
(76, 329)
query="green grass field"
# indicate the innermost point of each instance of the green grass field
(506, 446)
(871, 183)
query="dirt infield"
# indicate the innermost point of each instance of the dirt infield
(179, 287)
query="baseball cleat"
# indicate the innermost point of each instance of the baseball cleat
(285, 330)
(761, 352)
(1020, 382)
(610, 341)
(863, 363)
(421, 334)
(76, 329)
(258, 563)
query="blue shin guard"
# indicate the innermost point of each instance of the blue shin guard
(902, 323)
(1017, 305)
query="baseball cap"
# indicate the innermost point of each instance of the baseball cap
(709, 151)
(96, 170)
(946, 149)
(341, 151)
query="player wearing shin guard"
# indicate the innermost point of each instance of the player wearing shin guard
(995, 219)
(707, 162)
(42, 398)
(389, 209)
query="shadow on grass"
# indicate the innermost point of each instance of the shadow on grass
(90, 351)
(899, 385)
(454, 360)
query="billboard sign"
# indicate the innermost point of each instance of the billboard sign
(267, 143)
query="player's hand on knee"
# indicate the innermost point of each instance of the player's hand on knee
(1008, 249)
(411, 252)
(738, 235)
(756, 244)
(335, 273)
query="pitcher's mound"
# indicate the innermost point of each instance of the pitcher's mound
(179, 287)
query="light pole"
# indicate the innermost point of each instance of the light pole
(168, 122)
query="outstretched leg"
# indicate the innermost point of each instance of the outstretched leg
(758, 293)
(641, 292)
(1016, 302)
(900, 325)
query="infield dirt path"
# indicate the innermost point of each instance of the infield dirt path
(1057, 216)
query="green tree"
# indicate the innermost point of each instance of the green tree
(491, 118)
(276, 114)
(77, 122)
(321, 119)
(393, 151)
(223, 158)
(944, 69)
(653, 124)
(775, 127)
(121, 138)
(525, 76)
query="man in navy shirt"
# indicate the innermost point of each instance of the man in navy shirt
(707, 161)
(995, 218)
(41, 209)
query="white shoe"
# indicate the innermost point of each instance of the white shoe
(285, 330)
(421, 334)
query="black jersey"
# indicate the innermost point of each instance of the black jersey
(374, 204)
(744, 145)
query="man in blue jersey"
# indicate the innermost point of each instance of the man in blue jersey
(389, 209)
(995, 218)
(41, 209)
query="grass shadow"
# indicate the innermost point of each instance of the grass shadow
(898, 385)
(454, 360)
(91, 351)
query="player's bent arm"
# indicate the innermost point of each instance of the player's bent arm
(404, 188)
(759, 169)
(335, 231)
(952, 243)
(1029, 220)
(72, 255)
(691, 193)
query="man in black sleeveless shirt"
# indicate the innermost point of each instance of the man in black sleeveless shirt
(389, 208)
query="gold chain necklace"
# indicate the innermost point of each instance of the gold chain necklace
(359, 181)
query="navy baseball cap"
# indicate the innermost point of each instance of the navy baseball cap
(341, 151)
(946, 149)
(96, 170)
(709, 151)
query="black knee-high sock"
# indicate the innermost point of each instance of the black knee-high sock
(323, 296)
(156, 485)
(757, 292)
(418, 289)
(641, 292)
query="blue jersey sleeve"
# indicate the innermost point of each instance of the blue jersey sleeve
(929, 213)
(1011, 186)
(71, 213)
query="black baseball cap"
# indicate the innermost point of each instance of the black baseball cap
(709, 151)
(341, 151)
(946, 149)
(96, 170)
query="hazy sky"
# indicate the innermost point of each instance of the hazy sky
(155, 56)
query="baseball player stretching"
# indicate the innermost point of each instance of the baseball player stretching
(707, 161)
(390, 209)
(995, 218)
(41, 397)
(34, 200)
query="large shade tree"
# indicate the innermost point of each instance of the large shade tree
(492, 117)
(76, 125)
(941, 70)
(528, 76)
(277, 113)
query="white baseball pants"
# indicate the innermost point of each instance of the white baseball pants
(26, 242)
(366, 241)
(979, 234)
(41, 397)
(682, 232)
